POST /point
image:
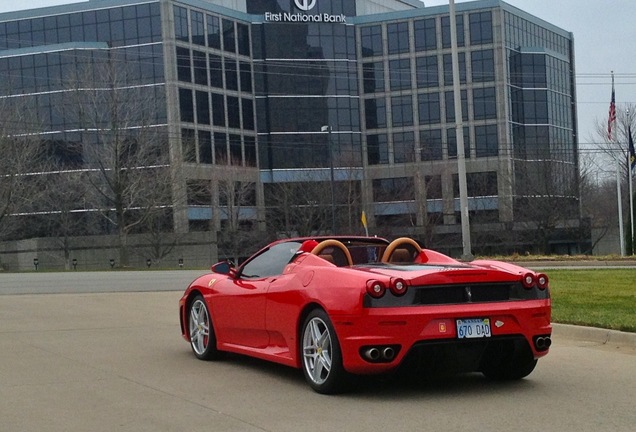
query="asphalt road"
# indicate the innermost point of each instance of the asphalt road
(110, 360)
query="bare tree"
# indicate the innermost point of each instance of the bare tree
(611, 159)
(298, 208)
(20, 168)
(64, 214)
(122, 148)
(237, 196)
(613, 152)
(547, 198)
(598, 200)
(156, 231)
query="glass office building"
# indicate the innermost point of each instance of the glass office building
(354, 94)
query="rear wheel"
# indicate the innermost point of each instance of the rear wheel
(321, 355)
(202, 337)
(509, 364)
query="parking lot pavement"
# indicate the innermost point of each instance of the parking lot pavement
(115, 361)
(97, 362)
(94, 282)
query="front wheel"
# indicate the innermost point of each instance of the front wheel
(201, 330)
(322, 358)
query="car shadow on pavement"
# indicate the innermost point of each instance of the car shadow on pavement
(400, 384)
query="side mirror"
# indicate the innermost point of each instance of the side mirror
(222, 267)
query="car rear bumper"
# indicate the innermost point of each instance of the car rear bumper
(403, 328)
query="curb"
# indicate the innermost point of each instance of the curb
(594, 334)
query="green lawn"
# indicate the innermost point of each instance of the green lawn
(603, 298)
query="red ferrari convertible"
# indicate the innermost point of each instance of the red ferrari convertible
(338, 306)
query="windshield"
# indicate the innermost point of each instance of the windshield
(271, 261)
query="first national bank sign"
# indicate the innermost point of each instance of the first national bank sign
(307, 6)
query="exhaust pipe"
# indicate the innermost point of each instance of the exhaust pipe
(388, 353)
(372, 354)
(543, 343)
(540, 343)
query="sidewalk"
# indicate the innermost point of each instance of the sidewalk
(593, 334)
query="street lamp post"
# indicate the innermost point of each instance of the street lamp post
(467, 254)
(327, 128)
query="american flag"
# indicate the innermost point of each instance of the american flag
(612, 113)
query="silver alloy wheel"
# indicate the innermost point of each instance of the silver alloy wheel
(199, 324)
(317, 350)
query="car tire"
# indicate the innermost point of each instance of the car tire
(321, 357)
(511, 365)
(201, 330)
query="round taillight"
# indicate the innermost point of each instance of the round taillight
(398, 287)
(542, 281)
(375, 289)
(528, 280)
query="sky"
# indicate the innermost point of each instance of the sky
(604, 39)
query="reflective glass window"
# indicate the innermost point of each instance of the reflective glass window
(183, 65)
(446, 36)
(373, 77)
(231, 74)
(535, 106)
(246, 77)
(203, 107)
(402, 111)
(425, 34)
(233, 112)
(398, 37)
(236, 151)
(429, 108)
(450, 105)
(181, 31)
(483, 65)
(377, 149)
(484, 103)
(216, 71)
(451, 142)
(403, 147)
(371, 39)
(218, 110)
(185, 105)
(480, 28)
(188, 145)
(482, 184)
(200, 64)
(214, 31)
(229, 37)
(220, 148)
(431, 144)
(249, 143)
(486, 141)
(375, 112)
(448, 68)
(393, 189)
(426, 72)
(205, 147)
(247, 107)
(400, 74)
(243, 39)
(198, 28)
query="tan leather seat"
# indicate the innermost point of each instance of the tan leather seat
(401, 256)
(338, 252)
(402, 250)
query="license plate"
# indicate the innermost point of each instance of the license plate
(473, 328)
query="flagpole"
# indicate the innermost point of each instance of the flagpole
(611, 119)
(631, 196)
(630, 146)
(620, 208)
